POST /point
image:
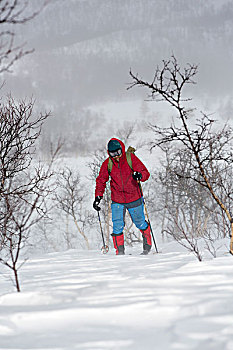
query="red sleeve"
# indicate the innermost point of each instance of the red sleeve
(140, 167)
(102, 179)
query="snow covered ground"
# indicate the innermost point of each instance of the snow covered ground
(86, 300)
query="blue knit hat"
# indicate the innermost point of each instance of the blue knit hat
(113, 145)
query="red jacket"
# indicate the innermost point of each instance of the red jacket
(124, 189)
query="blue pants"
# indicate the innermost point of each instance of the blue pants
(118, 217)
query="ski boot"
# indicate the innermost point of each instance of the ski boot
(146, 235)
(118, 242)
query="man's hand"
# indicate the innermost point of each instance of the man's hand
(97, 202)
(137, 176)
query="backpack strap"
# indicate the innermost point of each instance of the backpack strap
(129, 160)
(128, 156)
(110, 164)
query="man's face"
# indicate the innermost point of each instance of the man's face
(116, 155)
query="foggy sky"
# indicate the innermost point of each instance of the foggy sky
(84, 50)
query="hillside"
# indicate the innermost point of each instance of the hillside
(85, 49)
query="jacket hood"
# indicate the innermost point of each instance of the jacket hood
(121, 143)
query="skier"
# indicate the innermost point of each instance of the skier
(125, 193)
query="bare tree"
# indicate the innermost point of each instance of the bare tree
(183, 230)
(125, 134)
(24, 182)
(210, 149)
(189, 214)
(21, 212)
(13, 13)
(19, 130)
(70, 197)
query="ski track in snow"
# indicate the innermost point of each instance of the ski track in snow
(85, 300)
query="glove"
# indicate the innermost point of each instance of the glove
(137, 176)
(97, 202)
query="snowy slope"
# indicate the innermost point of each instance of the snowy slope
(85, 300)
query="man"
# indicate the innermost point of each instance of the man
(125, 193)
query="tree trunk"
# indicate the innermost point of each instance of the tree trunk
(16, 276)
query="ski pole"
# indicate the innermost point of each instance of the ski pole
(140, 187)
(105, 248)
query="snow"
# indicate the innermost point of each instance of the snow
(86, 300)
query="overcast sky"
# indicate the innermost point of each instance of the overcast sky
(84, 50)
